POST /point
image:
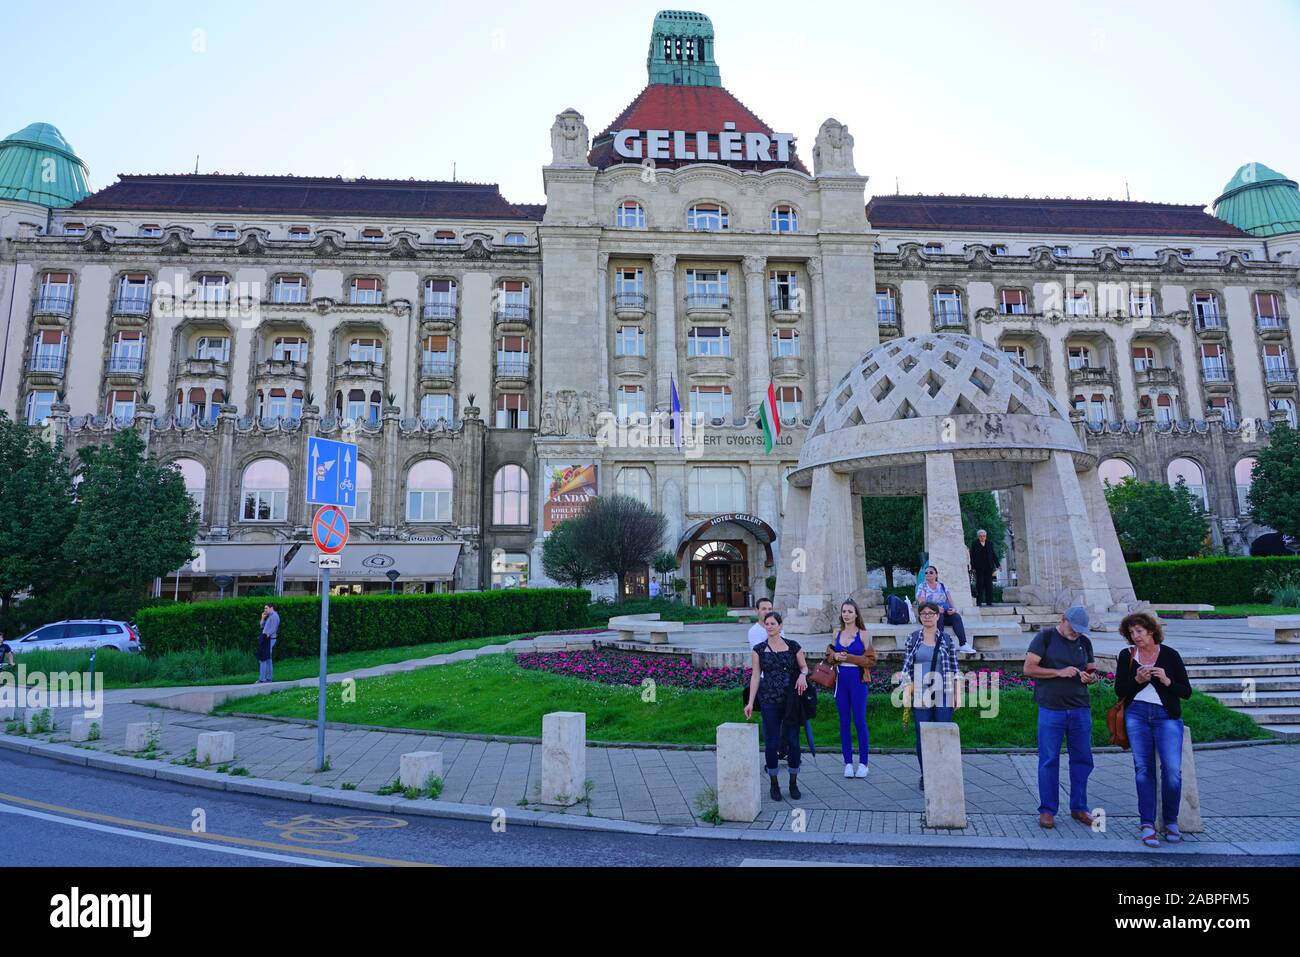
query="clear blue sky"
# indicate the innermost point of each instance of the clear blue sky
(1041, 97)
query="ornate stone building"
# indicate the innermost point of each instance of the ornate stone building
(497, 363)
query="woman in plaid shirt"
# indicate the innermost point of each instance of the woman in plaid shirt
(930, 664)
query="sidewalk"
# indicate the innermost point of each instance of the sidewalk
(1248, 794)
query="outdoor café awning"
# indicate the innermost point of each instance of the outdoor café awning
(371, 561)
(233, 558)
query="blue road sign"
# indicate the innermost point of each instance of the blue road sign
(331, 472)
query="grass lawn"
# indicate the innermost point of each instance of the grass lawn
(186, 669)
(1241, 611)
(493, 695)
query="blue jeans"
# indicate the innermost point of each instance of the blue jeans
(851, 700)
(264, 667)
(774, 731)
(1151, 730)
(1074, 726)
(927, 714)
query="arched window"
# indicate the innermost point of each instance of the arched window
(1114, 471)
(365, 482)
(708, 217)
(634, 483)
(716, 489)
(1241, 474)
(266, 491)
(510, 496)
(785, 219)
(428, 492)
(630, 215)
(196, 480)
(1190, 473)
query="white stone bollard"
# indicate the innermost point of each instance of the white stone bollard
(945, 789)
(739, 794)
(416, 766)
(564, 757)
(81, 729)
(140, 734)
(8, 712)
(1189, 808)
(215, 747)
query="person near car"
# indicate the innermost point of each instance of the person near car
(1060, 661)
(984, 560)
(266, 642)
(931, 589)
(1151, 679)
(781, 663)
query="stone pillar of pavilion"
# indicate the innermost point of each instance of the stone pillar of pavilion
(1114, 570)
(944, 541)
(1064, 532)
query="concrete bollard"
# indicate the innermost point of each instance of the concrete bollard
(739, 789)
(414, 768)
(564, 757)
(81, 729)
(8, 712)
(945, 789)
(215, 747)
(140, 734)
(988, 643)
(1189, 808)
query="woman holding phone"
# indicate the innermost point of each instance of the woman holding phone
(930, 661)
(781, 664)
(851, 654)
(931, 589)
(1151, 678)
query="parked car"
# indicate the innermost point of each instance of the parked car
(79, 635)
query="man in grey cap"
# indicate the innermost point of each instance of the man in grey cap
(1061, 663)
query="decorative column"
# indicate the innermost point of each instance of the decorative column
(390, 440)
(225, 480)
(758, 367)
(310, 427)
(470, 495)
(1020, 542)
(665, 266)
(821, 334)
(1115, 570)
(831, 576)
(1064, 531)
(790, 567)
(944, 540)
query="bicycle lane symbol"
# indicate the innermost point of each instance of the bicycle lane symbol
(310, 829)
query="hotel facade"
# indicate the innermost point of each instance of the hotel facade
(497, 363)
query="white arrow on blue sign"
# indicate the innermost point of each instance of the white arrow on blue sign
(331, 472)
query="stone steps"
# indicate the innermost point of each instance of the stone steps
(1233, 685)
(1288, 732)
(1192, 660)
(1273, 715)
(1284, 670)
(1263, 699)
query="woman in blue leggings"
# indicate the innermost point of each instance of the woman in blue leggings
(852, 654)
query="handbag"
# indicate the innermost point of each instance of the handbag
(1115, 720)
(823, 675)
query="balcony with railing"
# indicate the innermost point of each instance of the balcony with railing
(1279, 376)
(512, 367)
(786, 306)
(629, 305)
(205, 367)
(370, 370)
(1211, 325)
(46, 368)
(52, 304)
(436, 373)
(1091, 375)
(132, 307)
(787, 367)
(1154, 376)
(1272, 327)
(282, 368)
(439, 312)
(514, 313)
(950, 317)
(708, 305)
(1213, 373)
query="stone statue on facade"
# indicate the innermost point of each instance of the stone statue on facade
(569, 139)
(566, 418)
(833, 150)
(547, 424)
(587, 416)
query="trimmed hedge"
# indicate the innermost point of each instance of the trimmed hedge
(361, 622)
(1214, 581)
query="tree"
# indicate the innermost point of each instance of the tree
(135, 522)
(563, 561)
(621, 535)
(37, 509)
(1274, 497)
(1156, 521)
(894, 533)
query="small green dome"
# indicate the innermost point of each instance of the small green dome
(38, 166)
(1260, 201)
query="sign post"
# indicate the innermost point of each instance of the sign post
(329, 530)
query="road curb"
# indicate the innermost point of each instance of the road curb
(425, 807)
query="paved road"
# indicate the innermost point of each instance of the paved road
(52, 814)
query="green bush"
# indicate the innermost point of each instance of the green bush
(359, 622)
(601, 611)
(1215, 581)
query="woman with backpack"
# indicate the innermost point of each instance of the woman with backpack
(933, 590)
(851, 654)
(929, 665)
(781, 664)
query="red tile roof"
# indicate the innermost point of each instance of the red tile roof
(306, 196)
(663, 106)
(1008, 214)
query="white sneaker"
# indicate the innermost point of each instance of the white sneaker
(862, 771)
(848, 770)
(968, 648)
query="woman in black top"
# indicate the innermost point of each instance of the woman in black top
(1151, 679)
(781, 664)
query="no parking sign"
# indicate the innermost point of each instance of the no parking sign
(329, 529)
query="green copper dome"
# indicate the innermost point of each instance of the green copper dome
(681, 50)
(1260, 201)
(38, 166)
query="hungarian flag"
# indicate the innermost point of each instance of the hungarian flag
(768, 419)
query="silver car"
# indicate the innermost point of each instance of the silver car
(81, 634)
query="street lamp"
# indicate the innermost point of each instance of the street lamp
(392, 575)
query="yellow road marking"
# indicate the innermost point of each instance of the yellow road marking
(222, 838)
